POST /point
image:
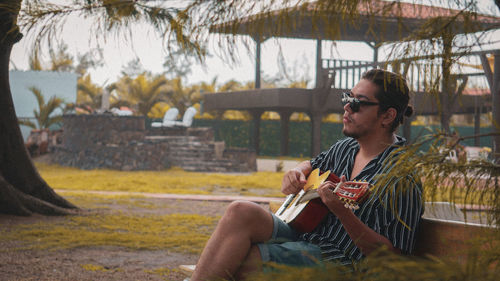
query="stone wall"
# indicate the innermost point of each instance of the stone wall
(123, 143)
(86, 129)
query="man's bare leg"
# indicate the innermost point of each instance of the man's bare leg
(251, 264)
(243, 224)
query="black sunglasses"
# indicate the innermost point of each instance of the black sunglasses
(354, 103)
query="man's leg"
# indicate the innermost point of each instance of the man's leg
(243, 224)
(252, 263)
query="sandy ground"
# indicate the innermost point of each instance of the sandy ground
(117, 263)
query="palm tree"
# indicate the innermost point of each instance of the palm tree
(45, 110)
(89, 95)
(230, 86)
(143, 92)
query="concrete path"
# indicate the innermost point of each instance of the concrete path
(271, 165)
(226, 198)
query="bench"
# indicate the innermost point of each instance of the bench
(447, 238)
(443, 231)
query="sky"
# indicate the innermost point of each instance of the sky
(299, 55)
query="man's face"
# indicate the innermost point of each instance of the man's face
(365, 121)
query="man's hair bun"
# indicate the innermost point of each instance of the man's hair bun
(408, 111)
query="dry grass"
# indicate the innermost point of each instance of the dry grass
(185, 233)
(178, 181)
(119, 238)
(174, 181)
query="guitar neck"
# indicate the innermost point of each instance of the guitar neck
(343, 190)
(285, 204)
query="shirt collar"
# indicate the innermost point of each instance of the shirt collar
(400, 141)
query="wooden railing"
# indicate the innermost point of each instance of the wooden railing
(420, 73)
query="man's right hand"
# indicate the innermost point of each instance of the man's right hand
(293, 181)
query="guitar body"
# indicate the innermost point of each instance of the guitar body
(305, 210)
(305, 217)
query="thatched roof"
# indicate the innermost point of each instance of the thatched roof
(376, 21)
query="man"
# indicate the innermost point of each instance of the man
(248, 236)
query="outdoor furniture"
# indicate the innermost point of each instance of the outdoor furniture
(121, 112)
(168, 119)
(476, 153)
(452, 156)
(187, 119)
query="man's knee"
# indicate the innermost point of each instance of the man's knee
(244, 211)
(250, 217)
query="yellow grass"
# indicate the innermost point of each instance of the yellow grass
(176, 232)
(94, 267)
(86, 200)
(174, 180)
(178, 181)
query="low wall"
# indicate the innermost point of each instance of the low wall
(83, 130)
(123, 143)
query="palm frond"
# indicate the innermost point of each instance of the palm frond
(39, 97)
(45, 20)
(28, 123)
(42, 114)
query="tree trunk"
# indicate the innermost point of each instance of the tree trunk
(22, 190)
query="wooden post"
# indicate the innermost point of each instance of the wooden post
(316, 133)
(284, 132)
(375, 48)
(493, 78)
(257, 62)
(477, 121)
(495, 95)
(255, 135)
(407, 129)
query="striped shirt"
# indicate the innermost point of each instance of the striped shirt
(395, 214)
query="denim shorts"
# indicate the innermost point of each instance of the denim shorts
(285, 248)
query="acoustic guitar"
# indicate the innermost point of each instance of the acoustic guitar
(305, 210)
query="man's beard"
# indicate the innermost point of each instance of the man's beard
(353, 135)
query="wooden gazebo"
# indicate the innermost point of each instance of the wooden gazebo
(372, 27)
